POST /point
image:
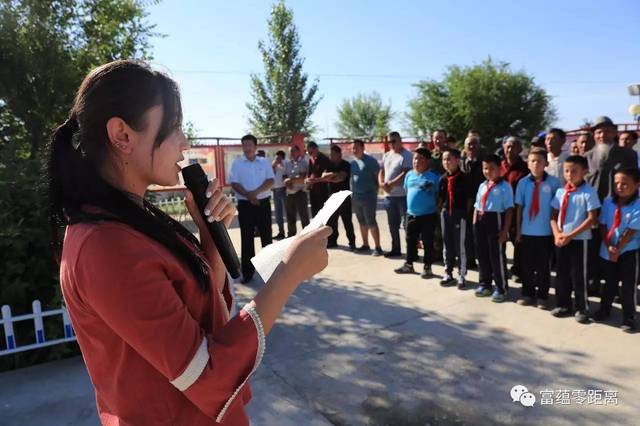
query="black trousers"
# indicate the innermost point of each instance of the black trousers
(491, 254)
(344, 212)
(535, 260)
(454, 232)
(296, 205)
(470, 241)
(421, 227)
(251, 217)
(571, 275)
(318, 196)
(625, 270)
(595, 268)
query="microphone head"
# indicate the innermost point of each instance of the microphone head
(193, 175)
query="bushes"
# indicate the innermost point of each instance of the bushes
(29, 271)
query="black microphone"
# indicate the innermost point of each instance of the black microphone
(197, 182)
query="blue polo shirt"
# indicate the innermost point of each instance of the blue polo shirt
(581, 202)
(500, 198)
(540, 226)
(630, 220)
(364, 177)
(422, 191)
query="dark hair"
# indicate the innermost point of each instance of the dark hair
(424, 152)
(395, 135)
(441, 131)
(492, 159)
(280, 153)
(78, 148)
(634, 174)
(579, 160)
(558, 131)
(312, 145)
(249, 137)
(451, 140)
(634, 135)
(536, 150)
(453, 152)
(359, 142)
(261, 153)
(336, 148)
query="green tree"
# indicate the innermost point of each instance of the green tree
(283, 100)
(46, 48)
(364, 116)
(488, 97)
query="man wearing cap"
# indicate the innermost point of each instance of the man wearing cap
(607, 157)
(604, 159)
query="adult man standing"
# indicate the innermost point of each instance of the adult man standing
(585, 142)
(513, 169)
(364, 185)
(338, 175)
(396, 163)
(471, 165)
(318, 187)
(554, 141)
(297, 203)
(606, 157)
(279, 165)
(440, 143)
(251, 178)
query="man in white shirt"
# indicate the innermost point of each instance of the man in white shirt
(279, 165)
(554, 142)
(251, 179)
(397, 162)
(295, 175)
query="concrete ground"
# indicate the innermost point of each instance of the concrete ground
(360, 345)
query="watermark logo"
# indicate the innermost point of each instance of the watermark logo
(521, 394)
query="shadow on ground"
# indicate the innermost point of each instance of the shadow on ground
(360, 358)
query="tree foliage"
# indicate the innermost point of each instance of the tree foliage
(283, 99)
(489, 97)
(364, 116)
(46, 48)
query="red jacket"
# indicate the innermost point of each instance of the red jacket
(159, 350)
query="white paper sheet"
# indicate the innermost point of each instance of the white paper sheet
(268, 259)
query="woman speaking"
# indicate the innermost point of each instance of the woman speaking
(149, 302)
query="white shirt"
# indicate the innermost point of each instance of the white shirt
(251, 174)
(278, 174)
(555, 166)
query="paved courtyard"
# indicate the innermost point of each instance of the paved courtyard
(360, 345)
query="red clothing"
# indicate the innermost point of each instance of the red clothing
(514, 172)
(159, 350)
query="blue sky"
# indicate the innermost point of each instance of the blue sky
(584, 53)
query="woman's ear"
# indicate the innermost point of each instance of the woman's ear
(119, 135)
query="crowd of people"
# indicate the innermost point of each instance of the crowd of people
(573, 209)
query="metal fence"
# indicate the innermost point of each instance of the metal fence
(37, 317)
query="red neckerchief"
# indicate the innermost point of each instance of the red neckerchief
(534, 209)
(485, 196)
(568, 189)
(617, 218)
(450, 182)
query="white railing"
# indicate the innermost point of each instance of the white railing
(37, 316)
